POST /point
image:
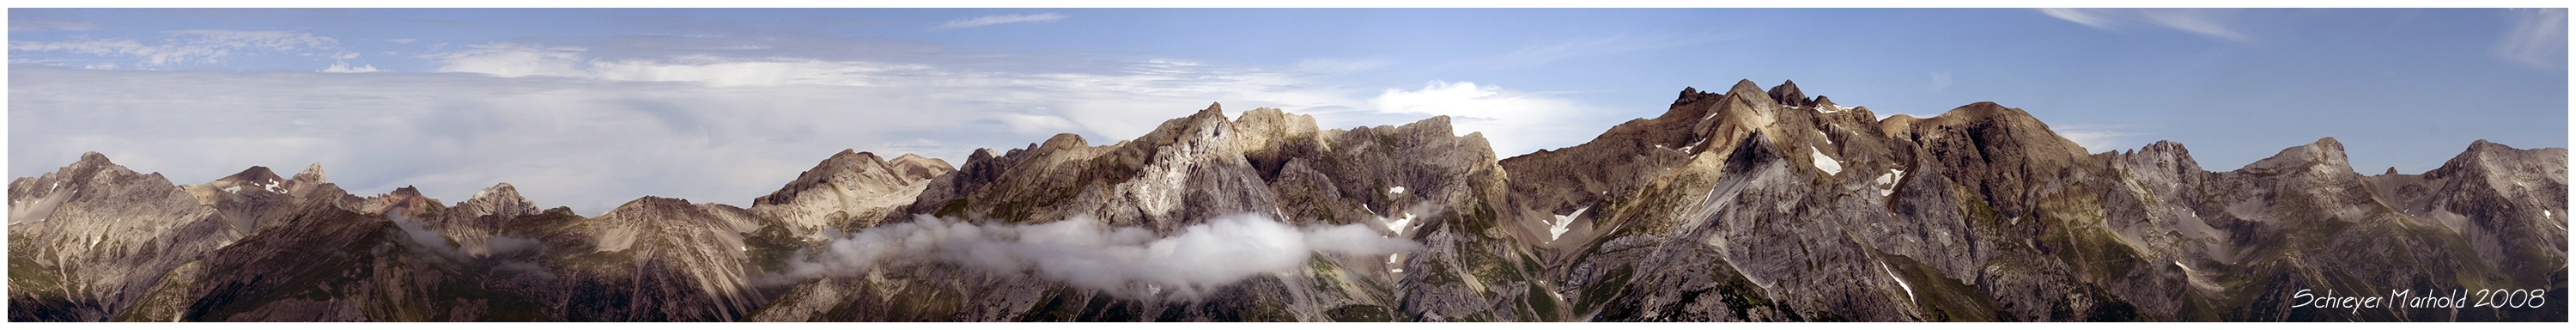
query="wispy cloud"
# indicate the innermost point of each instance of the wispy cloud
(513, 60)
(25, 25)
(345, 68)
(197, 46)
(996, 20)
(2210, 23)
(2537, 38)
(402, 40)
(2080, 16)
(1940, 81)
(1341, 65)
(2205, 22)
(2098, 138)
(1615, 44)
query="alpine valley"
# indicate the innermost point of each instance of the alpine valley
(1747, 205)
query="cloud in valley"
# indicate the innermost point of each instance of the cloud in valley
(1085, 253)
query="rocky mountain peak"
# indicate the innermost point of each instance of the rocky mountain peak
(916, 168)
(984, 166)
(2483, 149)
(851, 172)
(499, 199)
(2483, 157)
(650, 205)
(311, 173)
(1262, 126)
(1694, 95)
(854, 155)
(1269, 138)
(1205, 124)
(253, 179)
(852, 187)
(1746, 88)
(90, 157)
(255, 175)
(2325, 155)
(406, 201)
(1061, 141)
(1983, 109)
(2001, 125)
(1787, 94)
(2161, 161)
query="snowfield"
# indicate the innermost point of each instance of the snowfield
(1826, 163)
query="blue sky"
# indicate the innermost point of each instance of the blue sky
(591, 108)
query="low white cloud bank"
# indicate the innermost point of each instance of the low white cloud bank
(435, 242)
(1515, 122)
(513, 60)
(1085, 253)
(2097, 138)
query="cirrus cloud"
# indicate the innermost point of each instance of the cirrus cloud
(196, 46)
(981, 21)
(2210, 23)
(2537, 38)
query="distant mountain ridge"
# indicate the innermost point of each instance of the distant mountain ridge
(1750, 204)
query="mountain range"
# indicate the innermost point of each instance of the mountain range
(1749, 204)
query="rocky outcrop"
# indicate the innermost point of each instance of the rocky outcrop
(850, 190)
(1788, 95)
(1752, 204)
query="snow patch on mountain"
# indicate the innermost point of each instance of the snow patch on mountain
(1398, 225)
(1887, 182)
(1824, 162)
(1900, 281)
(1559, 227)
